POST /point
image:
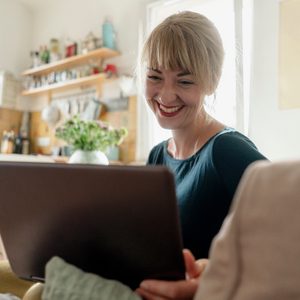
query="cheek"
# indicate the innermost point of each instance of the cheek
(194, 98)
(149, 90)
(150, 103)
(149, 93)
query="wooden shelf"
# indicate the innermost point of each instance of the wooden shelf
(84, 81)
(101, 53)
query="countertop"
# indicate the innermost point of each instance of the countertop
(29, 158)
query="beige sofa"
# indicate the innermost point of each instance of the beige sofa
(9, 283)
(2, 253)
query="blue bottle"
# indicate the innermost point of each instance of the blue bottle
(108, 35)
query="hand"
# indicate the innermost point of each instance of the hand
(181, 289)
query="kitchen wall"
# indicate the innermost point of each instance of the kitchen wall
(275, 131)
(76, 18)
(15, 36)
(25, 27)
(15, 43)
(27, 24)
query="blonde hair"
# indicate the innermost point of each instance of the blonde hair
(187, 41)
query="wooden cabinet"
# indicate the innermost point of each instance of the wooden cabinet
(98, 55)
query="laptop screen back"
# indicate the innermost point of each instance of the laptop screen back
(120, 222)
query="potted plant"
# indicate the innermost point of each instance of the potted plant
(89, 139)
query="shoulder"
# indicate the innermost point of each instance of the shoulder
(266, 184)
(156, 154)
(270, 186)
(232, 145)
(232, 153)
(231, 138)
(266, 174)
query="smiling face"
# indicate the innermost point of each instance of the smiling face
(182, 59)
(175, 97)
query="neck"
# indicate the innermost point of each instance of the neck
(185, 143)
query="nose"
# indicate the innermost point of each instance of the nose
(167, 94)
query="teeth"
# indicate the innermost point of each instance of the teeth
(169, 110)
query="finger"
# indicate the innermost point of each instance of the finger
(181, 289)
(191, 267)
(202, 263)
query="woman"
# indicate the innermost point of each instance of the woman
(183, 56)
(182, 59)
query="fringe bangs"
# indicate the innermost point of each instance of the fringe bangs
(189, 42)
(167, 48)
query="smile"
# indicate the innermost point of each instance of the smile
(169, 109)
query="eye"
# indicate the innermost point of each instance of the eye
(153, 77)
(186, 82)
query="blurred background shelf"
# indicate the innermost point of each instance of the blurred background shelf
(66, 85)
(70, 62)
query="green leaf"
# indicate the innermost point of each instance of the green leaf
(90, 135)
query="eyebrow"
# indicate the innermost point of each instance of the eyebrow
(184, 73)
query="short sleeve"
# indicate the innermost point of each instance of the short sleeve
(232, 154)
(156, 155)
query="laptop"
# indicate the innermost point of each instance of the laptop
(120, 222)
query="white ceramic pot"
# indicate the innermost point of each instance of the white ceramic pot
(88, 157)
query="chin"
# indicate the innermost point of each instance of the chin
(166, 124)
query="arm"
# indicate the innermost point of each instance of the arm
(181, 289)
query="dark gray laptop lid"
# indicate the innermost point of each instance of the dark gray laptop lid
(120, 222)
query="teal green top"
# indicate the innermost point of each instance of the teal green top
(206, 183)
